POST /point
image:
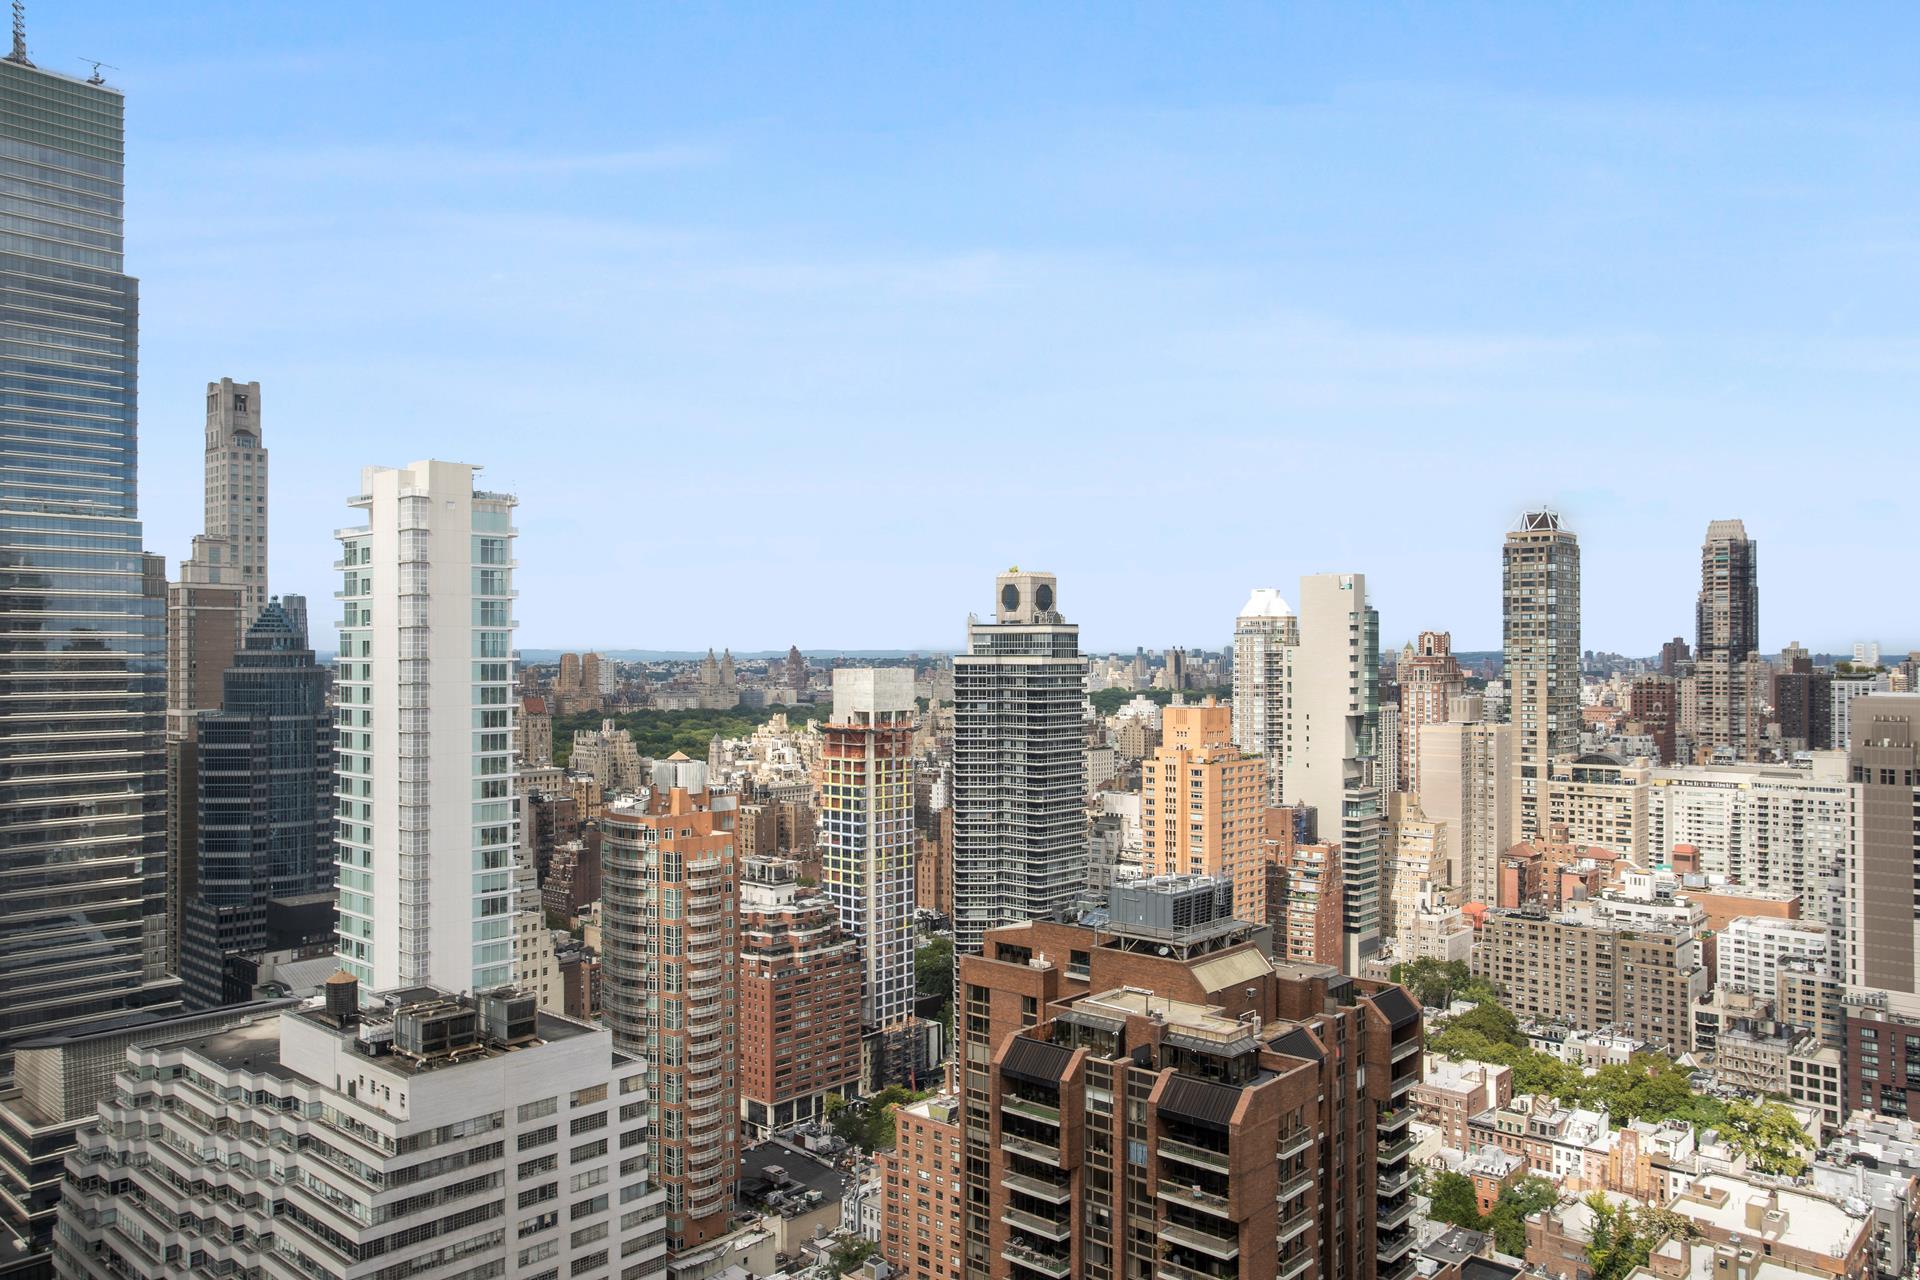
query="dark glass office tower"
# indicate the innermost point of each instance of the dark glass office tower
(82, 761)
(265, 809)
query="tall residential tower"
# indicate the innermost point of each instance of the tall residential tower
(1019, 762)
(1540, 626)
(1264, 631)
(1731, 678)
(425, 766)
(82, 763)
(1332, 679)
(670, 919)
(865, 831)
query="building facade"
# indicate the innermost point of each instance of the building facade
(799, 1014)
(1540, 628)
(670, 991)
(1727, 640)
(1635, 978)
(1468, 775)
(1203, 805)
(264, 804)
(82, 793)
(1332, 679)
(426, 771)
(864, 827)
(1265, 629)
(1019, 762)
(1430, 680)
(1882, 914)
(922, 1186)
(1198, 1113)
(428, 1133)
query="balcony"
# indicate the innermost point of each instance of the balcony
(1394, 1120)
(1190, 1154)
(1405, 1269)
(1396, 1247)
(1404, 1050)
(1166, 1270)
(1032, 1150)
(1392, 1182)
(1034, 1224)
(1297, 1185)
(1202, 1241)
(1194, 1197)
(1396, 1215)
(1028, 1107)
(1294, 1144)
(1399, 1149)
(1296, 1266)
(1059, 1266)
(1038, 1188)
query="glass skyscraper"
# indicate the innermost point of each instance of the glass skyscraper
(265, 804)
(82, 760)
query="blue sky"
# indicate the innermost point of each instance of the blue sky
(798, 323)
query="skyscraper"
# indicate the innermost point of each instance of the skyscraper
(1467, 769)
(1430, 680)
(1019, 762)
(425, 766)
(865, 831)
(1203, 805)
(670, 916)
(83, 763)
(1333, 681)
(265, 803)
(1882, 918)
(232, 547)
(1265, 628)
(1727, 640)
(1540, 628)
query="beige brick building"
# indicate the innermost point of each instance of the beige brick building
(1569, 968)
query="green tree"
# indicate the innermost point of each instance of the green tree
(1507, 1223)
(1768, 1135)
(849, 1254)
(1437, 983)
(1492, 1020)
(1624, 1237)
(1108, 701)
(933, 967)
(1453, 1200)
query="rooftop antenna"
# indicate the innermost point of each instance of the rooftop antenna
(96, 64)
(19, 53)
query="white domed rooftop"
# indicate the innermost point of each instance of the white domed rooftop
(1265, 602)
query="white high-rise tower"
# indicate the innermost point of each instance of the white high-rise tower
(1332, 678)
(426, 771)
(1262, 633)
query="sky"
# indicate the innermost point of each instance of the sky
(797, 323)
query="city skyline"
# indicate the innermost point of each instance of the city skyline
(616, 242)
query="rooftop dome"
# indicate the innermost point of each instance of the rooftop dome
(1265, 602)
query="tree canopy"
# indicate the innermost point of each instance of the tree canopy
(1437, 983)
(657, 733)
(1649, 1086)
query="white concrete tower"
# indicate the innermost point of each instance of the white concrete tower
(426, 771)
(1266, 626)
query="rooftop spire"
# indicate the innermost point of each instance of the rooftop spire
(19, 53)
